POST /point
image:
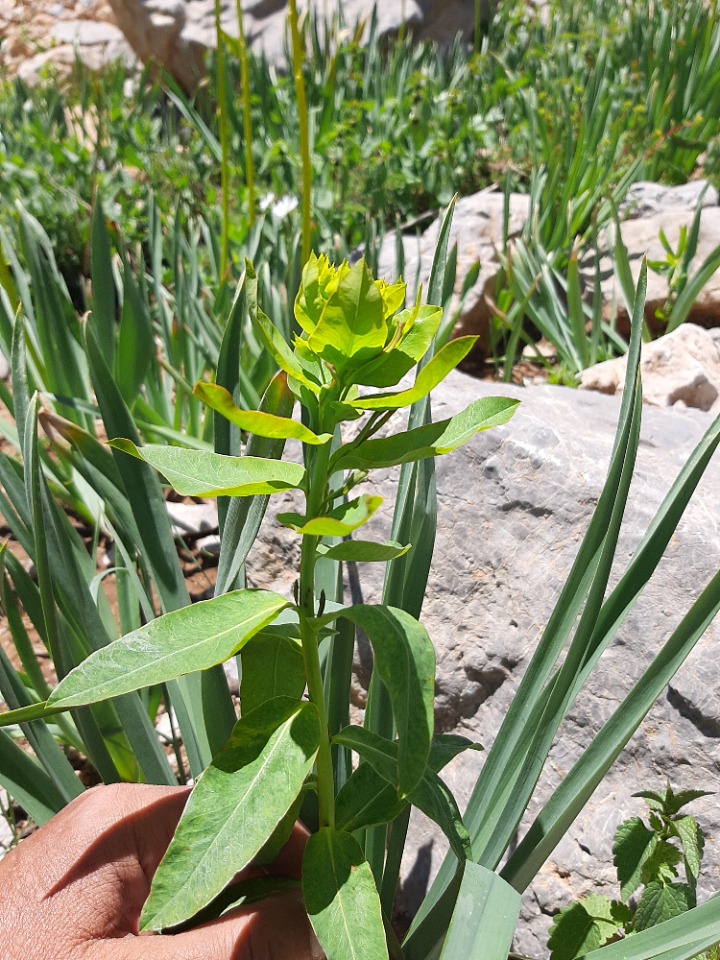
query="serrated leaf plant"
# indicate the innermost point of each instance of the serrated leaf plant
(353, 335)
(645, 855)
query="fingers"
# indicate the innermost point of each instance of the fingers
(114, 823)
(276, 929)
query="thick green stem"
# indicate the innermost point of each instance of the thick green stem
(317, 472)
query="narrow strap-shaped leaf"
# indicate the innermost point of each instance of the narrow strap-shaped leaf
(236, 805)
(103, 282)
(531, 695)
(135, 343)
(405, 663)
(244, 514)
(341, 899)
(39, 737)
(575, 790)
(202, 473)
(141, 484)
(484, 919)
(26, 781)
(184, 641)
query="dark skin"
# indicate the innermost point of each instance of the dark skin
(74, 889)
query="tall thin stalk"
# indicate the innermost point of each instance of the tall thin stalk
(224, 144)
(247, 117)
(298, 60)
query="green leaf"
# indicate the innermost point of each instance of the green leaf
(391, 366)
(405, 663)
(661, 863)
(446, 746)
(271, 337)
(236, 805)
(661, 902)
(368, 799)
(202, 473)
(253, 421)
(365, 800)
(272, 666)
(692, 842)
(338, 523)
(483, 920)
(244, 515)
(135, 346)
(363, 551)
(431, 795)
(584, 926)
(341, 899)
(427, 379)
(320, 279)
(192, 638)
(632, 845)
(430, 440)
(351, 328)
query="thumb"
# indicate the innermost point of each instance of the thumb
(275, 928)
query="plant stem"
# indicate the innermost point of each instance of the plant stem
(317, 489)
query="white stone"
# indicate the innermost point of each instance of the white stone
(681, 368)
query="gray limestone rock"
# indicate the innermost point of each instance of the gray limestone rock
(178, 34)
(478, 230)
(651, 210)
(513, 507)
(681, 368)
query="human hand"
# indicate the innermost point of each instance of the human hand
(74, 889)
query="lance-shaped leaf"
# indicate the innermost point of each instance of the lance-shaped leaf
(363, 551)
(405, 663)
(236, 805)
(338, 523)
(431, 795)
(391, 366)
(367, 799)
(183, 641)
(427, 379)
(351, 328)
(254, 421)
(202, 473)
(430, 440)
(341, 899)
(272, 666)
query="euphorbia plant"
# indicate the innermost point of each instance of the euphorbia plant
(354, 347)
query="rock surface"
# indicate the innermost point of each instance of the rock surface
(654, 209)
(477, 229)
(513, 507)
(649, 208)
(681, 368)
(178, 34)
(52, 35)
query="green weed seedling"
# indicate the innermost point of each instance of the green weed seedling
(649, 858)
(353, 335)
